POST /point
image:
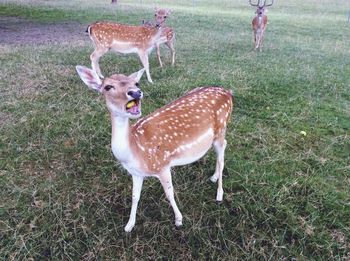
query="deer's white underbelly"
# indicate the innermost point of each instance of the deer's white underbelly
(123, 47)
(193, 151)
(128, 47)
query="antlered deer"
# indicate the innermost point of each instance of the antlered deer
(123, 39)
(259, 23)
(168, 33)
(177, 134)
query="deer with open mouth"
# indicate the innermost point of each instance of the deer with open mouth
(178, 133)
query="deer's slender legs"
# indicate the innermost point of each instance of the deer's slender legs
(254, 39)
(166, 181)
(145, 63)
(170, 44)
(219, 145)
(136, 192)
(95, 57)
(158, 56)
(261, 39)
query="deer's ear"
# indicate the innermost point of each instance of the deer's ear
(156, 9)
(168, 11)
(137, 75)
(89, 77)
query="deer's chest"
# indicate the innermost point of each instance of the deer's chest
(129, 161)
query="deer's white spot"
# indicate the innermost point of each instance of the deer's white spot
(141, 147)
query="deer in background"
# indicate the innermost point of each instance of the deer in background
(123, 39)
(177, 134)
(168, 33)
(259, 23)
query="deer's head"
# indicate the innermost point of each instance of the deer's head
(260, 7)
(160, 15)
(122, 93)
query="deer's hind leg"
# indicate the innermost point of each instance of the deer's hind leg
(95, 58)
(145, 62)
(158, 55)
(171, 44)
(219, 146)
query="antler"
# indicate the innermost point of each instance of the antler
(258, 3)
(250, 2)
(268, 4)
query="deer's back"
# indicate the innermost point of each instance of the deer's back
(199, 116)
(107, 32)
(168, 32)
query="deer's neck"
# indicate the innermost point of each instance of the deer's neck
(120, 137)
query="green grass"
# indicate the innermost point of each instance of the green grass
(64, 196)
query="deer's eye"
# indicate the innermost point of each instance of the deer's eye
(108, 87)
(137, 84)
(164, 16)
(155, 15)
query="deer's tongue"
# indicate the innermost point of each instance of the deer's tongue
(134, 110)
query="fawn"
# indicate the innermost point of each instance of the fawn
(168, 33)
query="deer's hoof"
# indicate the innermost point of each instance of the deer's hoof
(129, 227)
(214, 178)
(178, 222)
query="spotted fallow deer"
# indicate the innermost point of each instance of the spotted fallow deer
(168, 33)
(177, 134)
(259, 23)
(123, 38)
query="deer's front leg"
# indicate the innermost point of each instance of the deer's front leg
(166, 181)
(158, 55)
(136, 192)
(254, 39)
(261, 39)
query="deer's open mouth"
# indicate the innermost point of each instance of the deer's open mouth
(133, 107)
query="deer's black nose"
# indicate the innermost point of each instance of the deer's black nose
(135, 94)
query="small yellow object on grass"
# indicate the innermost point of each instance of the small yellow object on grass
(303, 133)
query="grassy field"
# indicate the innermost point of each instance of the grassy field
(64, 197)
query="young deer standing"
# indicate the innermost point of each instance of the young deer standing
(177, 134)
(168, 33)
(123, 39)
(259, 23)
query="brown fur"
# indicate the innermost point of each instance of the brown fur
(103, 33)
(179, 123)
